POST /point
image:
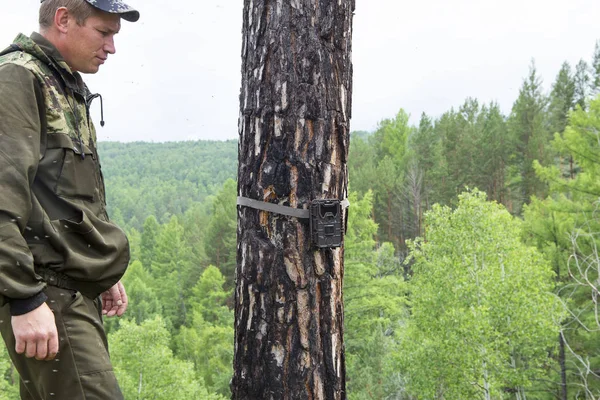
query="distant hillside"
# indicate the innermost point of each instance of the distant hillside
(364, 135)
(163, 179)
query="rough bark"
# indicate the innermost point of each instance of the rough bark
(295, 107)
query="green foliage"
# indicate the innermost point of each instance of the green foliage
(148, 241)
(582, 84)
(482, 315)
(595, 86)
(362, 174)
(563, 225)
(426, 151)
(195, 221)
(177, 203)
(562, 99)
(9, 379)
(389, 147)
(146, 368)
(374, 295)
(143, 301)
(528, 128)
(208, 342)
(210, 298)
(163, 179)
(221, 233)
(170, 270)
(391, 137)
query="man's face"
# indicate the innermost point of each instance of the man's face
(90, 44)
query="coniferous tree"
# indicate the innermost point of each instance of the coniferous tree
(362, 171)
(391, 145)
(595, 81)
(424, 159)
(374, 293)
(450, 134)
(143, 301)
(207, 340)
(493, 158)
(220, 236)
(528, 130)
(148, 242)
(195, 223)
(146, 368)
(582, 84)
(470, 129)
(562, 99)
(170, 269)
(555, 226)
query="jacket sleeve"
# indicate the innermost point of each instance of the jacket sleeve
(21, 108)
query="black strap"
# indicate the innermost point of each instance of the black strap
(60, 280)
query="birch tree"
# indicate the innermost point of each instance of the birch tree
(482, 313)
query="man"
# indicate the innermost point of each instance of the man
(61, 259)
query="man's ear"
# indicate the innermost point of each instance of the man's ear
(61, 19)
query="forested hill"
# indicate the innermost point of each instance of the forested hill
(449, 292)
(163, 179)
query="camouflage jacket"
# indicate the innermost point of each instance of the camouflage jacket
(53, 220)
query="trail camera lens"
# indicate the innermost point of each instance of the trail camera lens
(331, 209)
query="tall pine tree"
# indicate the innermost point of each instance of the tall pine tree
(528, 129)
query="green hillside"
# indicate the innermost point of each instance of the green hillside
(163, 179)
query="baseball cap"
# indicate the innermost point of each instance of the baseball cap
(115, 7)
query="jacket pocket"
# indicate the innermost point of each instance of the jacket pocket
(75, 165)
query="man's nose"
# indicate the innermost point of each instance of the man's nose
(109, 45)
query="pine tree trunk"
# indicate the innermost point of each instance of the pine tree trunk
(294, 134)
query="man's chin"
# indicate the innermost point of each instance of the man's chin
(91, 70)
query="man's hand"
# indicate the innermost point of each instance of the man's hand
(114, 301)
(36, 334)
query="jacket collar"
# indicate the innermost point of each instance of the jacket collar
(42, 49)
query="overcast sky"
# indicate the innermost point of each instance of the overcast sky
(176, 73)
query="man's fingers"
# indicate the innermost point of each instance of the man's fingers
(107, 305)
(112, 312)
(20, 346)
(121, 310)
(110, 309)
(52, 348)
(31, 349)
(116, 294)
(123, 293)
(125, 300)
(41, 349)
(114, 300)
(35, 333)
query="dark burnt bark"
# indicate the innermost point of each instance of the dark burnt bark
(294, 130)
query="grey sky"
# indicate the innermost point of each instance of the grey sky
(176, 74)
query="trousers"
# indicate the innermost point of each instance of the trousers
(82, 369)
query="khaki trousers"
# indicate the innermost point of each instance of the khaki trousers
(82, 368)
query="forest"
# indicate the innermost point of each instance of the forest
(471, 254)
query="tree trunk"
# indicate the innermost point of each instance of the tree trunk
(294, 135)
(563, 367)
